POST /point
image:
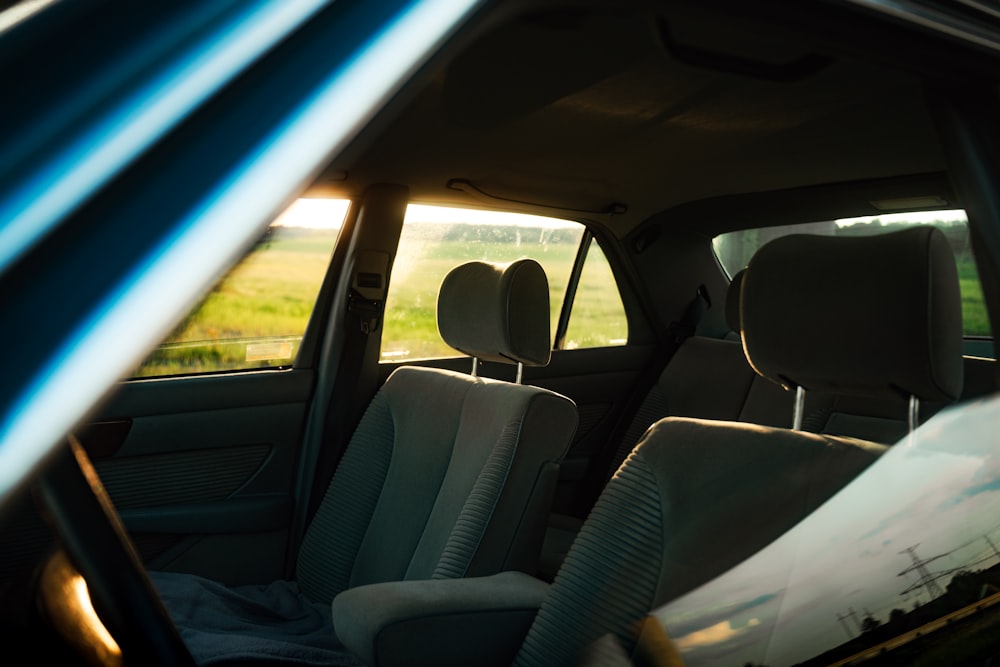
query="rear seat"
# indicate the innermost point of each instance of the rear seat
(710, 378)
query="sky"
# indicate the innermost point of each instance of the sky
(314, 213)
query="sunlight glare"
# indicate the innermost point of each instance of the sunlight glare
(323, 213)
(421, 213)
(21, 11)
(82, 595)
(914, 217)
(314, 214)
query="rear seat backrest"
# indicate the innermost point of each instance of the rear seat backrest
(696, 497)
(710, 378)
(706, 378)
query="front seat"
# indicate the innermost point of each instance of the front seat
(876, 316)
(447, 475)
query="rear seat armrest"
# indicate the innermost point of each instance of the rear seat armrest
(476, 620)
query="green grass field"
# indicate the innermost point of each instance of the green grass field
(975, 321)
(270, 294)
(411, 326)
(256, 315)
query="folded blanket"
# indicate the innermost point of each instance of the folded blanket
(247, 625)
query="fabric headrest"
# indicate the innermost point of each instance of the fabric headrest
(874, 315)
(497, 312)
(733, 301)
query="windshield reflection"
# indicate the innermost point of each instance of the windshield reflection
(902, 562)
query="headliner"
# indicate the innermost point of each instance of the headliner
(578, 111)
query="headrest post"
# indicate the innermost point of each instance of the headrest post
(475, 366)
(913, 416)
(800, 406)
(520, 373)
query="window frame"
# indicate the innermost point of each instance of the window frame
(198, 171)
(587, 238)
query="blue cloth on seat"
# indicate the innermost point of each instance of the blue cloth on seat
(238, 625)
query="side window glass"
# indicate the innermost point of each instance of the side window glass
(436, 239)
(256, 314)
(735, 250)
(598, 317)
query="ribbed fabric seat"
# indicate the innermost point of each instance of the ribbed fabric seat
(447, 475)
(696, 496)
(710, 378)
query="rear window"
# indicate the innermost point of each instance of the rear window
(435, 239)
(735, 249)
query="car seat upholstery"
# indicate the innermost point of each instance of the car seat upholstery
(696, 497)
(880, 419)
(710, 378)
(447, 475)
(706, 377)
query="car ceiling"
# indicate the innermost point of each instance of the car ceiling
(579, 111)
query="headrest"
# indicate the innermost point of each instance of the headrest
(497, 312)
(874, 315)
(733, 301)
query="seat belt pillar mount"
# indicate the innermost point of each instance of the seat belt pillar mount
(367, 297)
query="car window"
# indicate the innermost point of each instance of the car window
(256, 314)
(735, 249)
(598, 315)
(436, 239)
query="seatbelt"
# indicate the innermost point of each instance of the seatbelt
(348, 399)
(676, 333)
(685, 327)
(342, 398)
(365, 310)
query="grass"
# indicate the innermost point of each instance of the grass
(270, 294)
(410, 330)
(975, 321)
(411, 327)
(256, 315)
(598, 316)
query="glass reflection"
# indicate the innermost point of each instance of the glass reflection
(904, 562)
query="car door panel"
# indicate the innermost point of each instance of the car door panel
(204, 475)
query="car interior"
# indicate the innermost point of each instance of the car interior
(448, 475)
(644, 544)
(527, 497)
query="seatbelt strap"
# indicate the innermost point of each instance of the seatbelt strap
(365, 310)
(685, 327)
(348, 378)
(676, 333)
